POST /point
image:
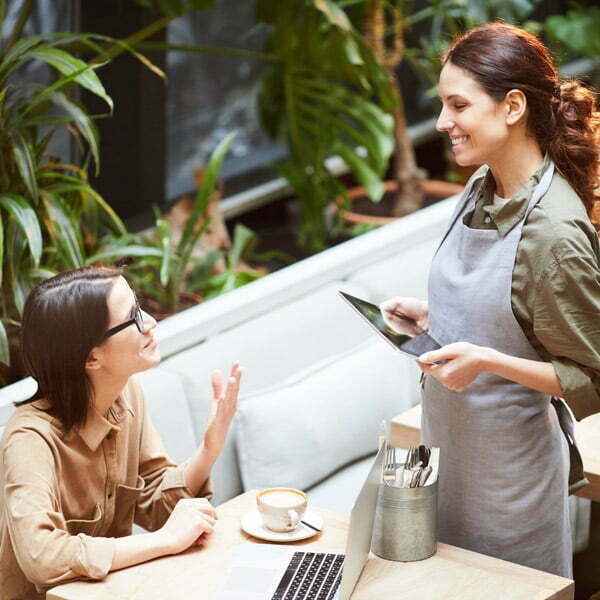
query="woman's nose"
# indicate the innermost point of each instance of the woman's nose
(444, 123)
(149, 321)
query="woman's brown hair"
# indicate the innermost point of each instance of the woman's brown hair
(64, 318)
(563, 117)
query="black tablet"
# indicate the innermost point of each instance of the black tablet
(406, 336)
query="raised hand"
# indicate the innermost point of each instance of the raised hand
(223, 409)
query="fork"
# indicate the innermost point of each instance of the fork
(411, 460)
(389, 465)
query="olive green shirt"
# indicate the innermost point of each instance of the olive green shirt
(555, 290)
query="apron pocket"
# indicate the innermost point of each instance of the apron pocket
(125, 504)
(87, 526)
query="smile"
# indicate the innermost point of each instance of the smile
(459, 140)
(151, 344)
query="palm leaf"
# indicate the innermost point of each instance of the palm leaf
(27, 219)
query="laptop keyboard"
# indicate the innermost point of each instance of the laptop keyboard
(310, 576)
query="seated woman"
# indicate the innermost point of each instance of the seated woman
(81, 460)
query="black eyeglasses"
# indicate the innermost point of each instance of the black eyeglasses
(137, 318)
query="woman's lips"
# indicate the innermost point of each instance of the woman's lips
(151, 344)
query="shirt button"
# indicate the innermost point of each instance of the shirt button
(487, 220)
(109, 495)
(109, 436)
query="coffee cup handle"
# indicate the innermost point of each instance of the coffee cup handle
(294, 518)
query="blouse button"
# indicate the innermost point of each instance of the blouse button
(487, 220)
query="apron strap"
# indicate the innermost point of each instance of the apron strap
(577, 478)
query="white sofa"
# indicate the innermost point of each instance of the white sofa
(317, 382)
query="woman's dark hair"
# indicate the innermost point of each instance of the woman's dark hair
(64, 318)
(563, 117)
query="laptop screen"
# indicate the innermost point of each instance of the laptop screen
(360, 531)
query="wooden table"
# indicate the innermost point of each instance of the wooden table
(405, 431)
(452, 573)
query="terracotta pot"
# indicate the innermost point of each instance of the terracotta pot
(432, 188)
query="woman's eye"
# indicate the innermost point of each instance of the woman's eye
(459, 106)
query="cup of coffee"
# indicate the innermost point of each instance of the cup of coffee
(281, 508)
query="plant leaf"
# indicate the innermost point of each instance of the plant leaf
(334, 14)
(27, 219)
(82, 121)
(25, 159)
(132, 250)
(242, 237)
(64, 230)
(164, 234)
(203, 196)
(67, 64)
(367, 177)
(87, 189)
(1, 250)
(4, 350)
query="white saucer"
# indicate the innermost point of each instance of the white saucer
(252, 524)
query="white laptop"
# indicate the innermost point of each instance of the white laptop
(277, 572)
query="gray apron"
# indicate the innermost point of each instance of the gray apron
(504, 469)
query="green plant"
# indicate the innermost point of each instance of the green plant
(578, 30)
(233, 277)
(443, 19)
(325, 94)
(50, 215)
(179, 270)
(51, 219)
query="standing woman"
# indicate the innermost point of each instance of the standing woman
(81, 460)
(514, 299)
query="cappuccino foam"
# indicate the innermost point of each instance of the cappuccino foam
(282, 498)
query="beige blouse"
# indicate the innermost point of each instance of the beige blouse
(66, 498)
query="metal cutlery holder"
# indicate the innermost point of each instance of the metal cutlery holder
(405, 522)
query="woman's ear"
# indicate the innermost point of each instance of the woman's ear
(516, 106)
(94, 359)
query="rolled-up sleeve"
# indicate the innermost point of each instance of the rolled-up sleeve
(164, 481)
(44, 549)
(567, 323)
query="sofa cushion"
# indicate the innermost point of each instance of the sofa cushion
(270, 348)
(299, 433)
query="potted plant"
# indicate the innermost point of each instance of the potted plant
(183, 275)
(51, 218)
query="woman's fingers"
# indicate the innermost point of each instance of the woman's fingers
(217, 383)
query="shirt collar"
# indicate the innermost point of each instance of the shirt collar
(97, 426)
(507, 215)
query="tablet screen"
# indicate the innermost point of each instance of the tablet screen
(405, 335)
